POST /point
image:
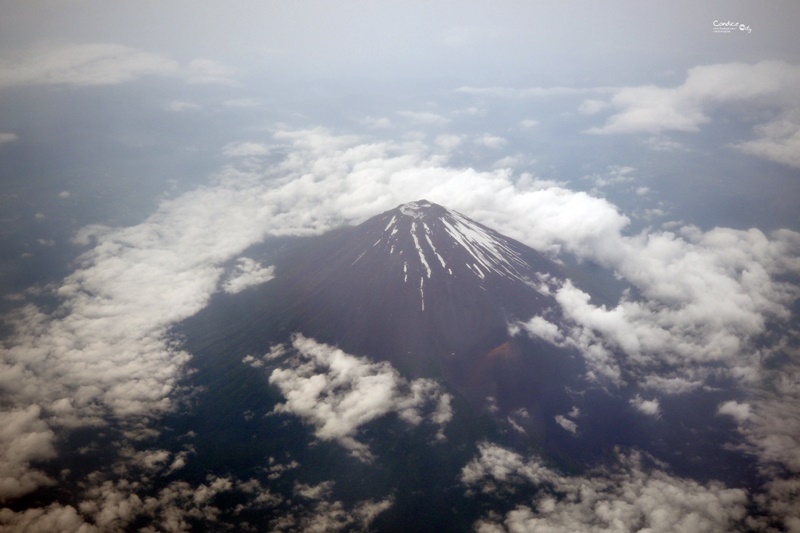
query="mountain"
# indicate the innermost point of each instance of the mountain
(433, 293)
(422, 287)
(427, 289)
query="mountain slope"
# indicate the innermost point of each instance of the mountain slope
(422, 286)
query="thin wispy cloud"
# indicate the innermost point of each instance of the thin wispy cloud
(531, 92)
(99, 64)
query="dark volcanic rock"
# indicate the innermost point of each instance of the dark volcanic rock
(422, 286)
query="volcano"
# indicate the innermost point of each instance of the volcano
(418, 298)
(423, 287)
(427, 289)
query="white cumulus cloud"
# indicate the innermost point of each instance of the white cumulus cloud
(770, 87)
(247, 273)
(647, 407)
(625, 497)
(338, 393)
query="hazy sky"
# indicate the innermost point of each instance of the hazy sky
(544, 43)
(146, 146)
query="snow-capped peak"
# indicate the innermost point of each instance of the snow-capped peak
(424, 240)
(415, 209)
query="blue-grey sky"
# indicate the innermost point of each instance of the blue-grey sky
(508, 41)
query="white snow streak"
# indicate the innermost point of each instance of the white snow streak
(487, 251)
(419, 249)
(359, 257)
(439, 257)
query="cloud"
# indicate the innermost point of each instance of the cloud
(739, 411)
(781, 505)
(83, 65)
(531, 92)
(318, 513)
(540, 327)
(337, 393)
(614, 175)
(376, 122)
(116, 505)
(567, 424)
(244, 103)
(592, 107)
(512, 162)
(209, 71)
(425, 118)
(24, 438)
(704, 298)
(6, 138)
(710, 286)
(647, 407)
(777, 140)
(490, 141)
(276, 469)
(247, 274)
(472, 111)
(766, 87)
(54, 517)
(97, 64)
(246, 149)
(623, 497)
(132, 490)
(105, 352)
(448, 142)
(180, 106)
(663, 144)
(770, 419)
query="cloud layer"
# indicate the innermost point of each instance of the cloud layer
(626, 497)
(703, 299)
(700, 299)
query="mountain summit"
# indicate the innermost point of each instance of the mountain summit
(431, 241)
(422, 286)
